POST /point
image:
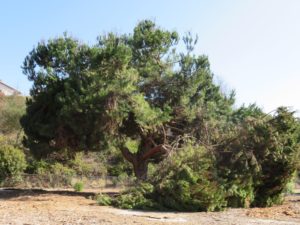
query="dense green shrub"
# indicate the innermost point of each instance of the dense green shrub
(103, 199)
(37, 167)
(258, 163)
(137, 198)
(78, 186)
(12, 162)
(43, 167)
(134, 198)
(277, 152)
(251, 167)
(186, 181)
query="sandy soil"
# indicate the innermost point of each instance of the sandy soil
(34, 207)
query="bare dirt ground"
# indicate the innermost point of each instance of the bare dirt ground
(35, 207)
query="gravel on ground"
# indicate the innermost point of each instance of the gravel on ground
(39, 207)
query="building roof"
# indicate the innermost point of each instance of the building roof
(9, 87)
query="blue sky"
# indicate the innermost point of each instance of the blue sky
(253, 45)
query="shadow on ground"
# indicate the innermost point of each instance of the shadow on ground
(9, 193)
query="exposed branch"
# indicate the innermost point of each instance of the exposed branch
(165, 134)
(152, 141)
(153, 151)
(175, 128)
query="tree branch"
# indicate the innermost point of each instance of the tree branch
(153, 151)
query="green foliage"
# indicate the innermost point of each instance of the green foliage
(85, 165)
(12, 108)
(127, 88)
(188, 181)
(180, 183)
(80, 164)
(139, 100)
(78, 186)
(277, 154)
(131, 199)
(120, 180)
(62, 170)
(252, 167)
(48, 168)
(115, 163)
(132, 145)
(290, 187)
(260, 160)
(12, 161)
(103, 199)
(37, 167)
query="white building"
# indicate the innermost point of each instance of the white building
(7, 90)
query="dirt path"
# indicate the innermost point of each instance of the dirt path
(61, 207)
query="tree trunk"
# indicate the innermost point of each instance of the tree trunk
(140, 160)
(141, 169)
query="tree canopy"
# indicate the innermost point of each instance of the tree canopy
(133, 91)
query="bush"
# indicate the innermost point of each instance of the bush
(257, 165)
(290, 187)
(277, 152)
(134, 198)
(186, 181)
(61, 170)
(52, 174)
(40, 167)
(87, 164)
(12, 108)
(78, 186)
(12, 162)
(80, 165)
(103, 199)
(44, 167)
(251, 167)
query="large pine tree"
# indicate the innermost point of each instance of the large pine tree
(135, 92)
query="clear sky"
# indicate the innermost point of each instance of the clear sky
(253, 45)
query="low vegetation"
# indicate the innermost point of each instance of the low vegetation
(78, 186)
(12, 161)
(201, 178)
